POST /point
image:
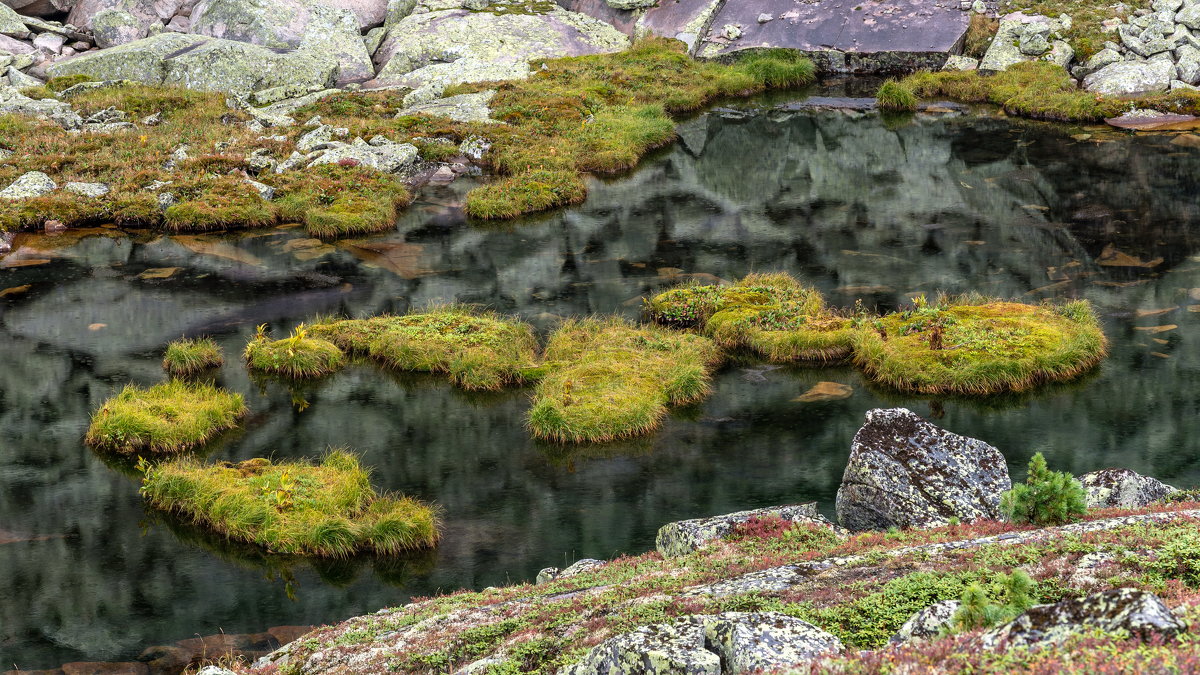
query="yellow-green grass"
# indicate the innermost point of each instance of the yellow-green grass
(299, 508)
(608, 379)
(773, 315)
(478, 350)
(298, 356)
(167, 418)
(190, 356)
(980, 346)
(894, 96)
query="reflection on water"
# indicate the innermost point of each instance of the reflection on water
(859, 208)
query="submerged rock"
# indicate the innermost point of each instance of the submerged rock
(927, 623)
(1136, 612)
(1122, 488)
(905, 472)
(684, 536)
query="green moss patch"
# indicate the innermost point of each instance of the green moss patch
(608, 379)
(166, 418)
(297, 356)
(980, 347)
(327, 509)
(187, 357)
(478, 350)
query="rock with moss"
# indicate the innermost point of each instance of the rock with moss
(1026, 38)
(1131, 611)
(927, 623)
(460, 108)
(29, 185)
(140, 61)
(113, 27)
(61, 113)
(385, 156)
(684, 536)
(1132, 78)
(1109, 488)
(658, 649)
(578, 567)
(905, 472)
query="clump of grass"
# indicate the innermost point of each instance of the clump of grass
(895, 96)
(478, 350)
(980, 32)
(773, 315)
(190, 356)
(327, 509)
(298, 356)
(167, 418)
(979, 346)
(1046, 498)
(338, 201)
(609, 379)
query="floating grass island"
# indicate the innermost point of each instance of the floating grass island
(978, 346)
(773, 315)
(609, 379)
(167, 418)
(297, 357)
(478, 350)
(191, 356)
(326, 510)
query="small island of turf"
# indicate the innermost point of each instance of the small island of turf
(167, 418)
(187, 357)
(297, 357)
(296, 508)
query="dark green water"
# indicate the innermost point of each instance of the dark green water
(856, 207)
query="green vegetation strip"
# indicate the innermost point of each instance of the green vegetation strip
(167, 418)
(297, 357)
(327, 509)
(192, 356)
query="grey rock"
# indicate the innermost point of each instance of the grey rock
(1180, 84)
(106, 116)
(392, 158)
(50, 43)
(11, 23)
(1166, 5)
(166, 200)
(1136, 612)
(660, 649)
(20, 80)
(373, 39)
(460, 108)
(1085, 570)
(315, 139)
(179, 24)
(578, 567)
(1102, 58)
(749, 642)
(1061, 54)
(261, 161)
(294, 161)
(1146, 44)
(474, 147)
(87, 189)
(1109, 488)
(905, 472)
(631, 4)
(958, 62)
(927, 623)
(5, 155)
(1033, 44)
(763, 18)
(477, 5)
(1189, 15)
(1131, 78)
(265, 191)
(1004, 51)
(152, 120)
(31, 184)
(684, 536)
(114, 27)
(1187, 66)
(12, 101)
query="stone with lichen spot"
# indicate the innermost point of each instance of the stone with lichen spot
(389, 158)
(31, 184)
(660, 649)
(905, 472)
(87, 189)
(460, 108)
(62, 114)
(1109, 488)
(1127, 610)
(684, 536)
(749, 642)
(549, 574)
(927, 623)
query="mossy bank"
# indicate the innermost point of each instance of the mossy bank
(166, 418)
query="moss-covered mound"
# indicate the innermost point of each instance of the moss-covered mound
(327, 509)
(479, 350)
(980, 346)
(611, 379)
(190, 356)
(773, 315)
(166, 418)
(297, 357)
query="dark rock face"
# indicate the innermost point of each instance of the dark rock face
(1139, 613)
(905, 472)
(1108, 488)
(684, 536)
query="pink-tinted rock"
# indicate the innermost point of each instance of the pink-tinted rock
(15, 46)
(146, 11)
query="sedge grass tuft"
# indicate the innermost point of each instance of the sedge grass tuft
(167, 418)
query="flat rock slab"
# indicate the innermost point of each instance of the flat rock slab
(1165, 122)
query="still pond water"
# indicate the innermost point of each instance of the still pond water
(857, 207)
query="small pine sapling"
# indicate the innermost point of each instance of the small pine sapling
(1046, 498)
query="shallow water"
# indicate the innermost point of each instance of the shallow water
(857, 207)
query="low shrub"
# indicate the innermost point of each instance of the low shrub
(167, 418)
(190, 356)
(298, 356)
(977, 609)
(1046, 498)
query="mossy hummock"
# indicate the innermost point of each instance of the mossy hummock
(980, 346)
(327, 509)
(773, 315)
(297, 357)
(609, 379)
(191, 356)
(478, 350)
(167, 418)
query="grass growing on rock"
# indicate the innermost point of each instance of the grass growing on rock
(980, 346)
(190, 356)
(478, 350)
(297, 356)
(167, 418)
(609, 379)
(328, 509)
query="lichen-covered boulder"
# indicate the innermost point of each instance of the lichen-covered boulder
(62, 114)
(11, 23)
(749, 642)
(1109, 488)
(113, 27)
(684, 536)
(1131, 78)
(927, 623)
(239, 68)
(29, 185)
(460, 108)
(1128, 610)
(905, 472)
(146, 12)
(549, 574)
(661, 649)
(140, 61)
(386, 157)
(1023, 39)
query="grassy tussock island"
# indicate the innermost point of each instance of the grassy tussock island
(327, 509)
(773, 315)
(167, 418)
(192, 356)
(297, 356)
(478, 350)
(977, 346)
(608, 379)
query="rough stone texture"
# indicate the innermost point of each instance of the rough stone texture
(21, 80)
(1136, 612)
(905, 472)
(87, 189)
(460, 108)
(113, 27)
(578, 567)
(957, 62)
(1189, 15)
(12, 101)
(927, 623)
(1187, 68)
(1131, 78)
(686, 20)
(1122, 488)
(388, 158)
(1015, 43)
(11, 23)
(32, 184)
(36, 8)
(631, 4)
(146, 12)
(684, 536)
(15, 46)
(750, 642)
(140, 61)
(660, 649)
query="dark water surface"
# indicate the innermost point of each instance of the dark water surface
(859, 208)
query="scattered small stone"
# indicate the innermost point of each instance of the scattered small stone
(764, 18)
(265, 191)
(152, 120)
(87, 189)
(731, 31)
(549, 574)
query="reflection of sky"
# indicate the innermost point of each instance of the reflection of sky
(858, 209)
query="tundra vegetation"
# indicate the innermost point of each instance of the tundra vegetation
(325, 509)
(166, 418)
(188, 357)
(1046, 498)
(297, 356)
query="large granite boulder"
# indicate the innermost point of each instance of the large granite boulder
(62, 114)
(684, 536)
(905, 472)
(113, 27)
(1132, 78)
(927, 623)
(1109, 488)
(1136, 612)
(11, 24)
